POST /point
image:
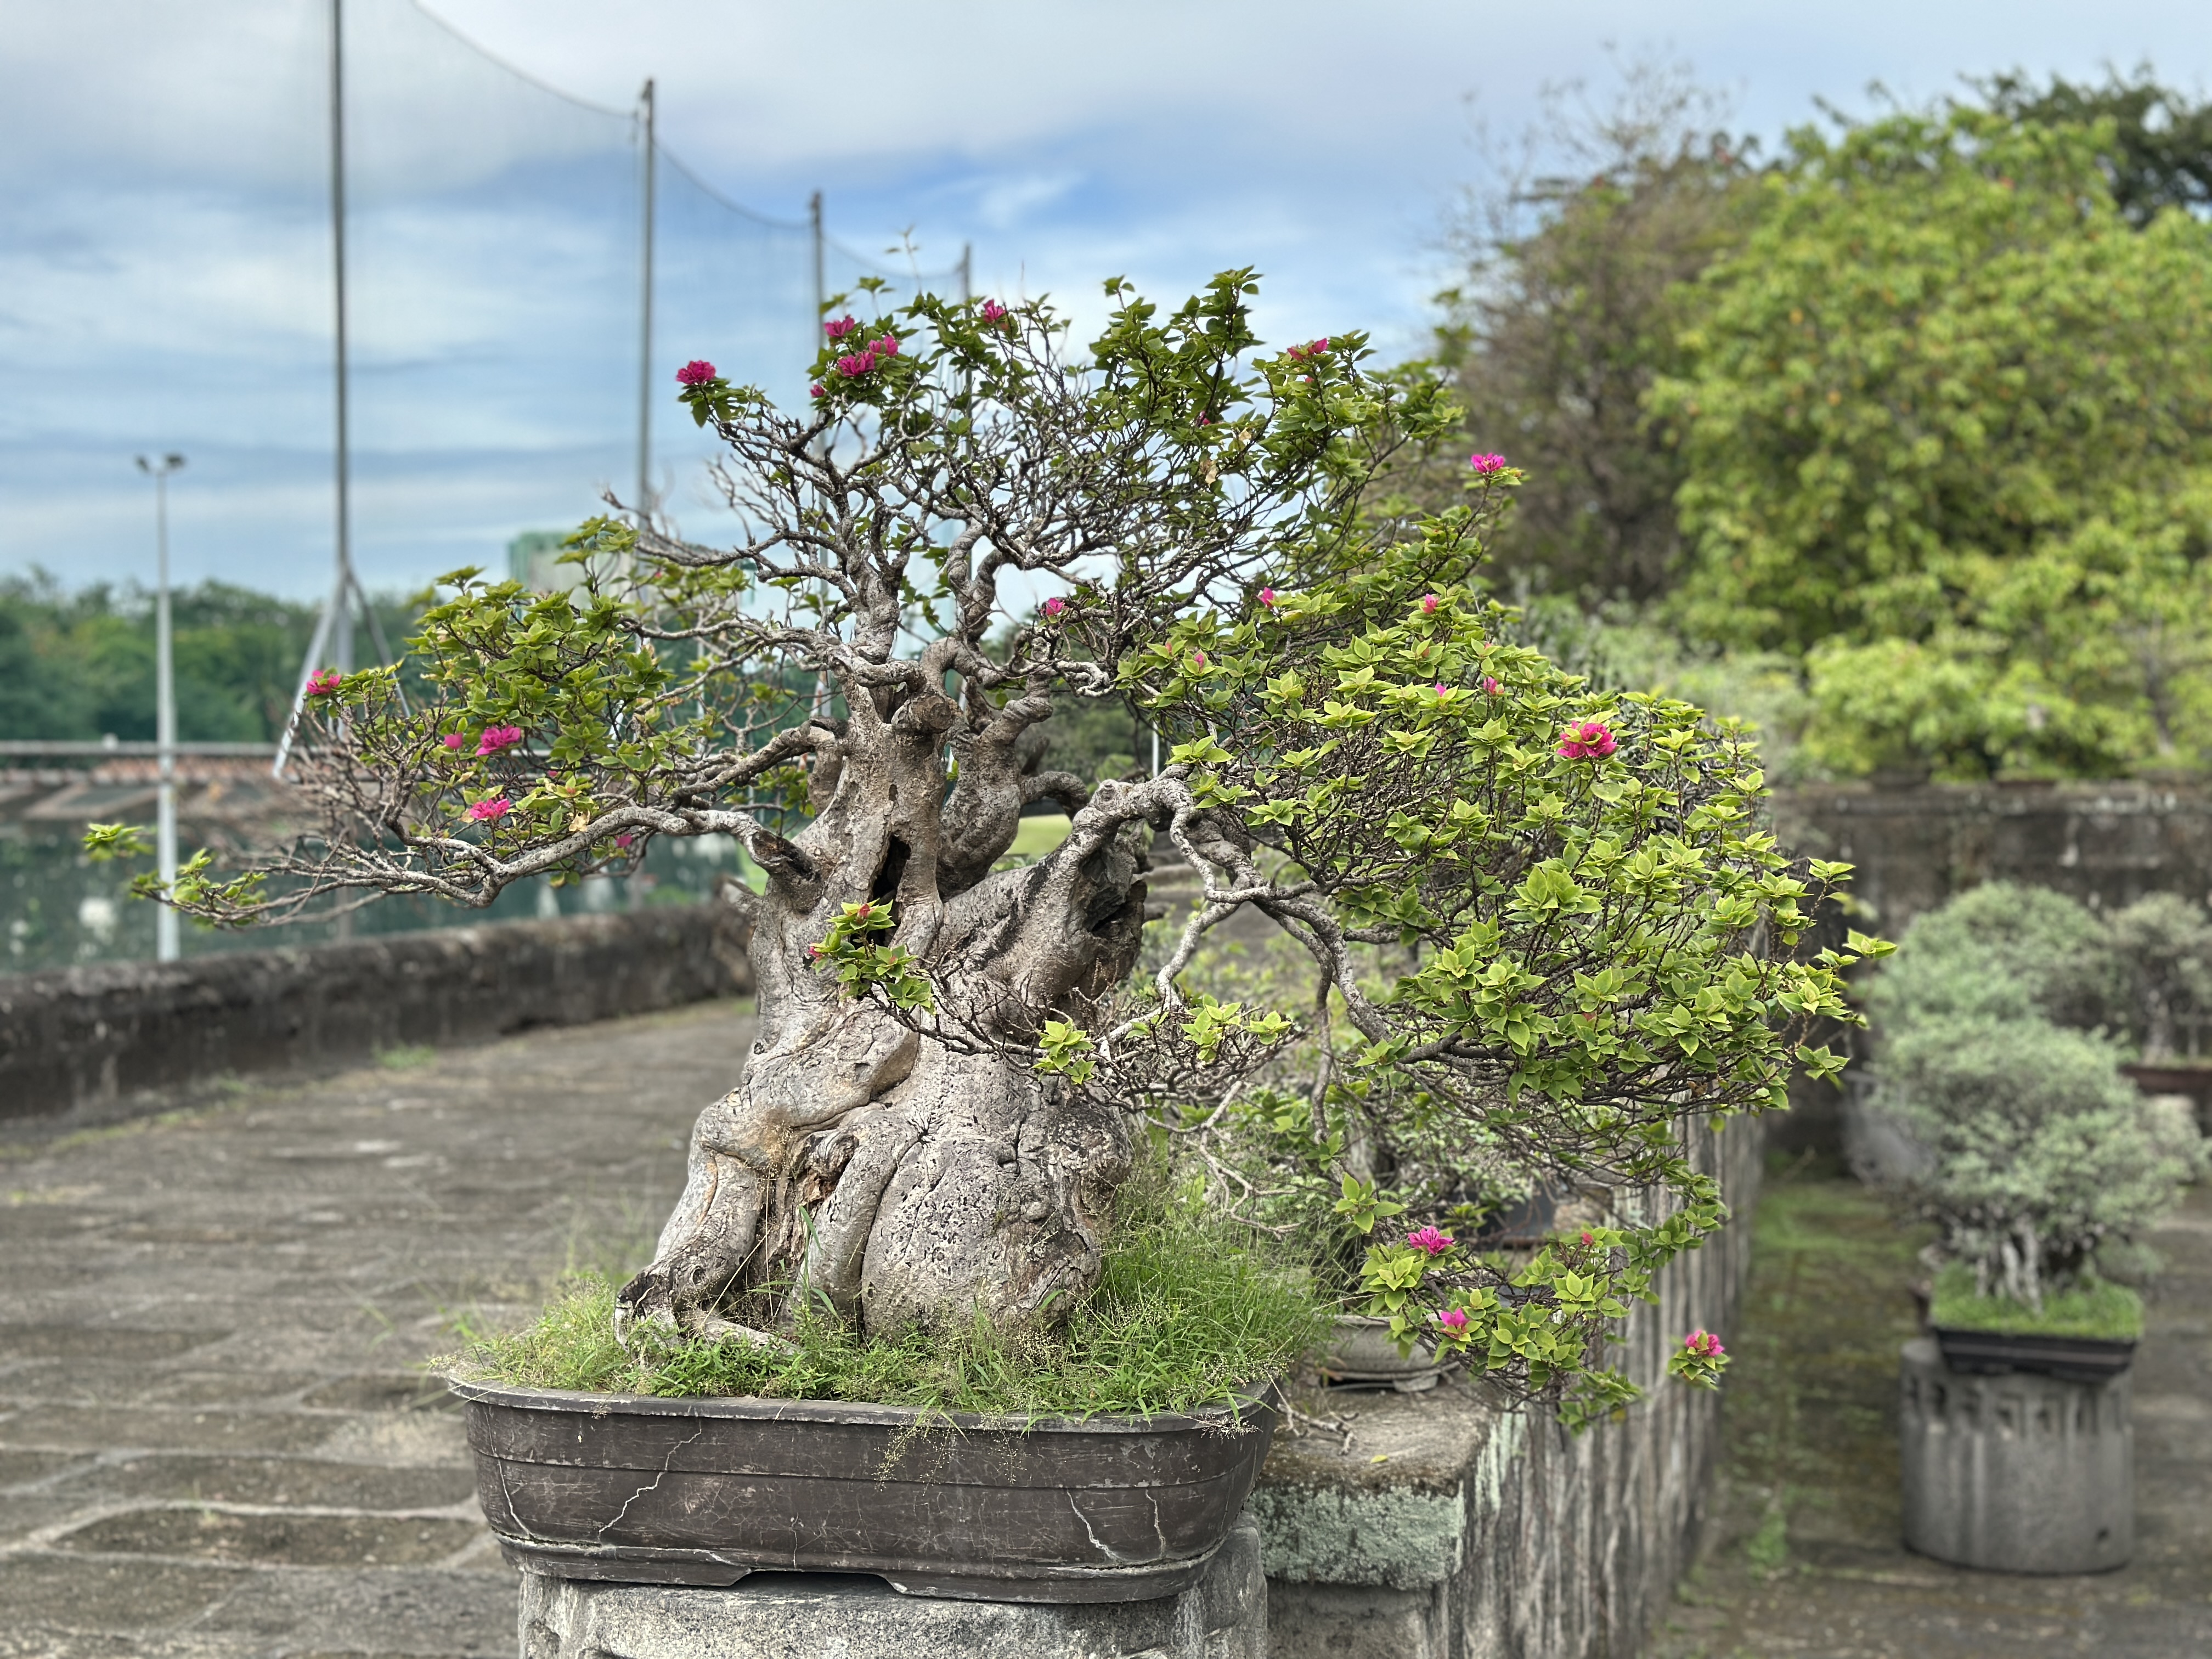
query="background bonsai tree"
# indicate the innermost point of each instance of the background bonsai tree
(1552, 916)
(2002, 1022)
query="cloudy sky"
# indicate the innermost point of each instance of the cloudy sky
(165, 259)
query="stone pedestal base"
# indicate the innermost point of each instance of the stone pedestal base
(2019, 1472)
(819, 1616)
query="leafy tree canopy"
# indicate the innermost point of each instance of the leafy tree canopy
(1947, 426)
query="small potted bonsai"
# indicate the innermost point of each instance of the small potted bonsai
(1543, 919)
(2005, 1022)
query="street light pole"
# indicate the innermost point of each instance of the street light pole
(165, 703)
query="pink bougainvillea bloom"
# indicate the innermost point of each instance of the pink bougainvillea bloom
(1267, 596)
(1704, 1344)
(322, 682)
(1198, 659)
(1490, 686)
(814, 390)
(858, 364)
(1429, 603)
(1429, 1239)
(1311, 348)
(994, 312)
(816, 951)
(483, 810)
(1486, 465)
(1442, 690)
(454, 739)
(886, 347)
(1586, 1239)
(1054, 606)
(697, 371)
(1452, 1318)
(1586, 740)
(625, 840)
(838, 327)
(496, 737)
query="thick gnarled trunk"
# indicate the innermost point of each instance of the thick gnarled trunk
(859, 1165)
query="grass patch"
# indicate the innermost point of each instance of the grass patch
(1187, 1310)
(406, 1057)
(2096, 1307)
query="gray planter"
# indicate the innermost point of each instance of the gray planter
(1361, 1351)
(639, 1490)
(2021, 1472)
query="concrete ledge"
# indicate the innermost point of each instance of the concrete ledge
(811, 1615)
(83, 1045)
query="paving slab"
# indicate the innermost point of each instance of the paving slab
(215, 1438)
(1804, 1556)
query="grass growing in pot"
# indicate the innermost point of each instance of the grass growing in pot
(2095, 1308)
(1188, 1309)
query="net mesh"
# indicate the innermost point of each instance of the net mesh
(166, 283)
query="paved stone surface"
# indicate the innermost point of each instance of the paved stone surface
(215, 1440)
(1803, 1555)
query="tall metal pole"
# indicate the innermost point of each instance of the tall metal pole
(821, 280)
(967, 272)
(342, 583)
(165, 704)
(645, 324)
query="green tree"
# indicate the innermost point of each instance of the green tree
(2159, 151)
(1947, 421)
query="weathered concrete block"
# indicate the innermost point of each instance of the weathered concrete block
(820, 1616)
(2020, 1472)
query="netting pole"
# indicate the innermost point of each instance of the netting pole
(644, 324)
(821, 282)
(967, 272)
(335, 626)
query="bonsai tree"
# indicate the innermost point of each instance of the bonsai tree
(1552, 916)
(2002, 1024)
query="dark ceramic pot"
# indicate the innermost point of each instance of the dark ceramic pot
(643, 1490)
(2069, 1358)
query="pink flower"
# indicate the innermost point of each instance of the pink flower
(322, 682)
(1442, 690)
(814, 390)
(1586, 1239)
(838, 327)
(858, 364)
(1198, 659)
(817, 951)
(1490, 686)
(1429, 603)
(1267, 596)
(1586, 740)
(1054, 606)
(1486, 465)
(1704, 1344)
(496, 737)
(886, 347)
(454, 739)
(994, 313)
(1452, 1320)
(625, 840)
(1429, 1239)
(498, 808)
(697, 371)
(1311, 348)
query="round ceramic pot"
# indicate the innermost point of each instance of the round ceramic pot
(643, 1490)
(1361, 1352)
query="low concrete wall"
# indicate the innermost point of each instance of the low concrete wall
(87, 1044)
(1448, 1529)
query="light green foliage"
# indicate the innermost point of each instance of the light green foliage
(2094, 1308)
(2035, 1151)
(1948, 430)
(1189, 1309)
(1576, 931)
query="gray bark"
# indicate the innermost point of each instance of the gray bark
(861, 1165)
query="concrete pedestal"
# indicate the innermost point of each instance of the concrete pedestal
(821, 1616)
(2020, 1472)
